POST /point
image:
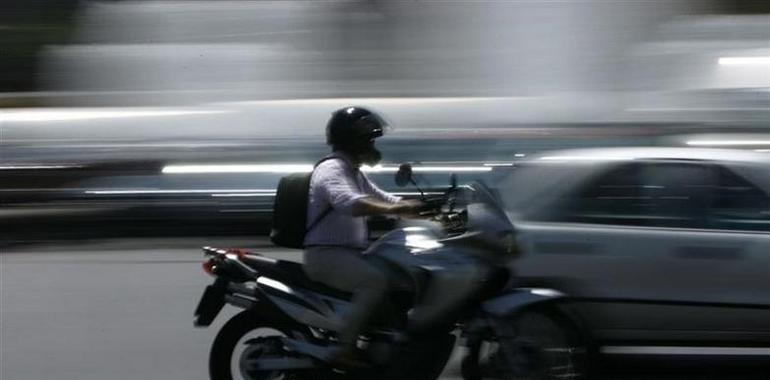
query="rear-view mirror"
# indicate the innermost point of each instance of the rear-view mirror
(404, 175)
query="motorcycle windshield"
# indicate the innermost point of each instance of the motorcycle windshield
(487, 217)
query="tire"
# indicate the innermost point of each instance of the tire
(533, 345)
(230, 337)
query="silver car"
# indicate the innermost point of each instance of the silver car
(664, 250)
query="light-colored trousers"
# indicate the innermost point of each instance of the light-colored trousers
(349, 270)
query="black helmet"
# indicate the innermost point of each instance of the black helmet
(350, 128)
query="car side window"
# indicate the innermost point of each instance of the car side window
(652, 194)
(613, 197)
(738, 204)
(680, 193)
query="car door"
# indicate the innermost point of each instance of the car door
(735, 253)
(638, 246)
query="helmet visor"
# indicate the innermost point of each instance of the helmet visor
(372, 126)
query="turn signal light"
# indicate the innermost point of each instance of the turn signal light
(208, 267)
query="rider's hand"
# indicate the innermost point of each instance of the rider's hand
(408, 207)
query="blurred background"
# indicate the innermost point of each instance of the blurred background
(98, 97)
(167, 124)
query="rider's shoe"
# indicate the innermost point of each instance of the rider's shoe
(347, 359)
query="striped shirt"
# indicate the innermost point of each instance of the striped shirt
(337, 183)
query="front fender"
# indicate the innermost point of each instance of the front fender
(518, 299)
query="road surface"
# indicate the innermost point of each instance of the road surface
(121, 310)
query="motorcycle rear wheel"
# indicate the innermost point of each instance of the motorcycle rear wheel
(230, 347)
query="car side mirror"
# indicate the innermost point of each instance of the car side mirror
(404, 175)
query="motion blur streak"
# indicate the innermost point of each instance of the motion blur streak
(175, 120)
(37, 167)
(115, 192)
(302, 168)
(276, 168)
(761, 61)
(728, 143)
(584, 158)
(63, 114)
(270, 194)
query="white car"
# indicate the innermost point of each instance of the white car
(664, 250)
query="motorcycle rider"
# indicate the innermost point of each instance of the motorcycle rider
(340, 199)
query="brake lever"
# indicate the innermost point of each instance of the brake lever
(451, 199)
(451, 194)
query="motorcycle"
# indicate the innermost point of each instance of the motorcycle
(452, 279)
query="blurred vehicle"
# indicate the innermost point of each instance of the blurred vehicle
(665, 250)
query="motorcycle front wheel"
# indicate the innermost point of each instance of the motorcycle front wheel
(251, 336)
(534, 345)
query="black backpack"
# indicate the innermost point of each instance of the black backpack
(290, 210)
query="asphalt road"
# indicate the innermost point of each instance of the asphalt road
(122, 310)
(115, 310)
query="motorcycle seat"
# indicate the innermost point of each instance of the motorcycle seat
(293, 274)
(299, 278)
(329, 291)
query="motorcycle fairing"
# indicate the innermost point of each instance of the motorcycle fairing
(302, 305)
